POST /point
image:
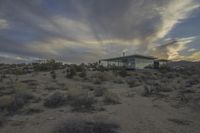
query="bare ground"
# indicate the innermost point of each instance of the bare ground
(134, 114)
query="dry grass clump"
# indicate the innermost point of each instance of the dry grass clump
(83, 74)
(81, 100)
(194, 80)
(2, 120)
(103, 76)
(118, 80)
(12, 103)
(84, 126)
(6, 102)
(180, 121)
(133, 82)
(30, 82)
(2, 77)
(83, 103)
(33, 109)
(47, 66)
(71, 72)
(155, 88)
(111, 98)
(53, 74)
(57, 99)
(122, 72)
(100, 91)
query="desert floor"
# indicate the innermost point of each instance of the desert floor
(143, 102)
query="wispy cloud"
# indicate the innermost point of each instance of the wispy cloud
(173, 49)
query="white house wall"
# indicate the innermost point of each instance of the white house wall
(142, 63)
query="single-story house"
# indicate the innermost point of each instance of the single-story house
(132, 62)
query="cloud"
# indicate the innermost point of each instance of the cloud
(76, 30)
(3, 24)
(175, 12)
(194, 57)
(173, 49)
(192, 50)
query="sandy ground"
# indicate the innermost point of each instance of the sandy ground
(135, 114)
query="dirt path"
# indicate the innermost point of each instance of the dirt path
(142, 115)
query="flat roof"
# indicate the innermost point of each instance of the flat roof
(128, 57)
(162, 60)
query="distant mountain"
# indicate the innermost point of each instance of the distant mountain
(184, 64)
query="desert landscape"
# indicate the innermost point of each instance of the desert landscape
(99, 66)
(53, 97)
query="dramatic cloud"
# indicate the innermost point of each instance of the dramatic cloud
(172, 50)
(77, 30)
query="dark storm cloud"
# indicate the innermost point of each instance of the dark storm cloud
(70, 29)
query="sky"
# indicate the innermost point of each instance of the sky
(76, 31)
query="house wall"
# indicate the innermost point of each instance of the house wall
(131, 63)
(141, 63)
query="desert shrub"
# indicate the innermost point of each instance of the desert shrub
(164, 88)
(98, 92)
(6, 102)
(97, 81)
(111, 98)
(2, 77)
(147, 91)
(83, 74)
(118, 81)
(193, 81)
(172, 75)
(123, 72)
(32, 110)
(49, 65)
(53, 74)
(83, 126)
(100, 77)
(2, 120)
(19, 71)
(20, 99)
(133, 82)
(15, 102)
(88, 87)
(55, 100)
(82, 103)
(155, 88)
(101, 68)
(71, 72)
(78, 68)
(164, 69)
(80, 100)
(180, 121)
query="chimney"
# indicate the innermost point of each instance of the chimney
(123, 53)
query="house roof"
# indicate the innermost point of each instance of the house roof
(128, 57)
(162, 60)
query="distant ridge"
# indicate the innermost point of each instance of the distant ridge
(184, 63)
